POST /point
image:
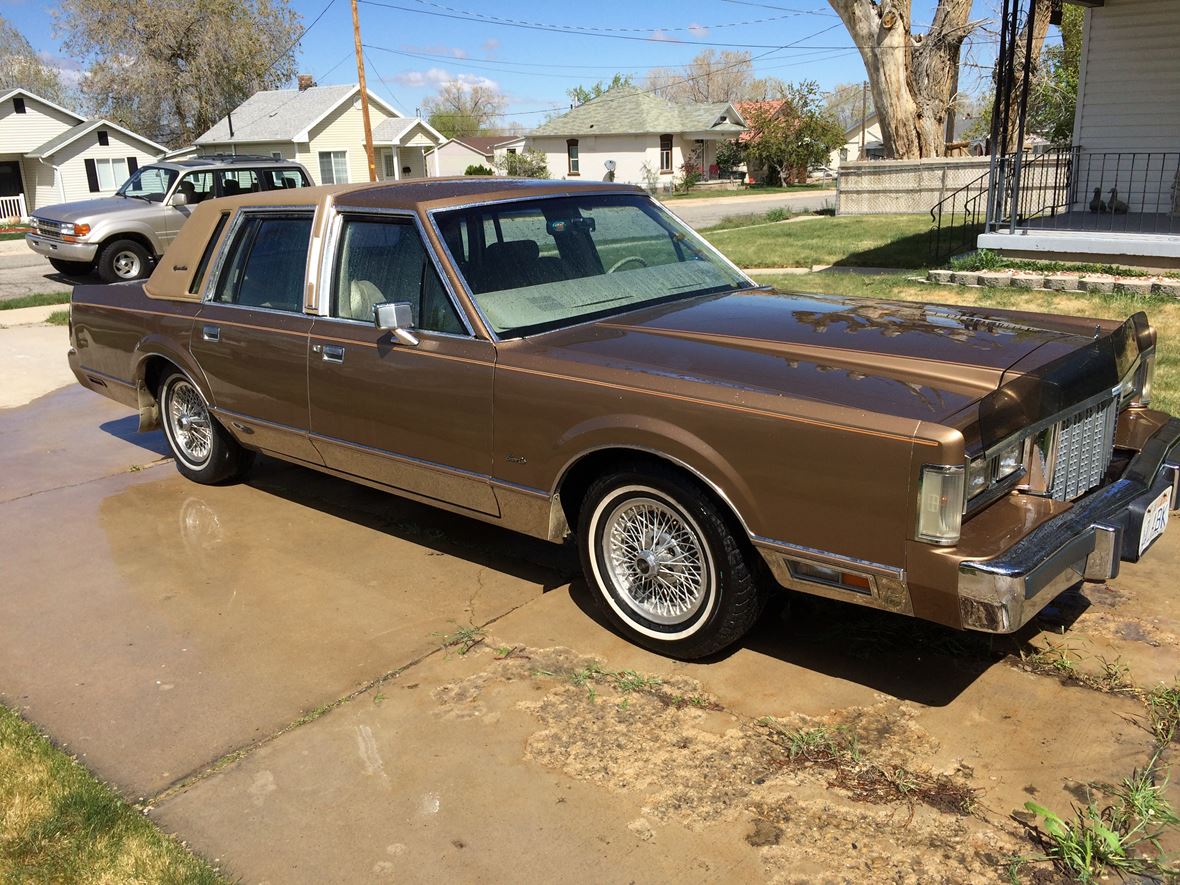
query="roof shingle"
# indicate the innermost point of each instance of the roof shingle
(626, 110)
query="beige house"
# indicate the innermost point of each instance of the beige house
(456, 154)
(1126, 139)
(645, 138)
(322, 128)
(866, 133)
(52, 155)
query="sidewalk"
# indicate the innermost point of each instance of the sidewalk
(29, 316)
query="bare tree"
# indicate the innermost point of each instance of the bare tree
(845, 102)
(912, 76)
(21, 67)
(465, 107)
(710, 76)
(172, 68)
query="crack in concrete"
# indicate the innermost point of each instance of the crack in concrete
(227, 759)
(131, 468)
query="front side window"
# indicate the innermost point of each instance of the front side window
(111, 172)
(196, 187)
(148, 183)
(238, 181)
(266, 263)
(333, 167)
(536, 265)
(382, 261)
(571, 153)
(665, 153)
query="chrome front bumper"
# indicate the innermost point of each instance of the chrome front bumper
(60, 249)
(1086, 543)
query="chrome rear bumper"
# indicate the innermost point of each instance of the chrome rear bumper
(1087, 542)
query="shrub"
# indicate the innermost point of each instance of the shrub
(479, 169)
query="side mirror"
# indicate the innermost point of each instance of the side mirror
(396, 317)
(177, 200)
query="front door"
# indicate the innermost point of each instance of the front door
(251, 336)
(10, 179)
(414, 417)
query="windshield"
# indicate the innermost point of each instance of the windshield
(540, 264)
(148, 183)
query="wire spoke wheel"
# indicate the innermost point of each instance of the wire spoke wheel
(655, 559)
(188, 419)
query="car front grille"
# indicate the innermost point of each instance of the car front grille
(47, 228)
(1085, 445)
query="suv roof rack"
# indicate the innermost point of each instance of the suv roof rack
(205, 159)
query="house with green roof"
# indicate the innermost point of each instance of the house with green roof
(648, 139)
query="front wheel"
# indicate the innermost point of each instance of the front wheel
(123, 260)
(664, 565)
(204, 450)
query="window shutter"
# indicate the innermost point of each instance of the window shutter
(132, 165)
(92, 176)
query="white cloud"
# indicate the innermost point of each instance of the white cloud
(436, 77)
(698, 30)
(662, 36)
(490, 46)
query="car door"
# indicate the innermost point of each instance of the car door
(416, 417)
(251, 334)
(196, 187)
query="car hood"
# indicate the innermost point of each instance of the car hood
(88, 210)
(908, 359)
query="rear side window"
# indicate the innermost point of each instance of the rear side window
(282, 179)
(207, 255)
(267, 262)
(238, 181)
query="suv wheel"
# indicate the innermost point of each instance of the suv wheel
(122, 260)
(72, 268)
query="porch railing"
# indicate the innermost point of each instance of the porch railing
(13, 208)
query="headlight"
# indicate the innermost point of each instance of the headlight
(1144, 379)
(979, 476)
(1010, 460)
(940, 504)
(74, 229)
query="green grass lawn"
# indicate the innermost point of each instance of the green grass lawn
(39, 299)
(759, 190)
(59, 824)
(12, 235)
(901, 241)
(1164, 313)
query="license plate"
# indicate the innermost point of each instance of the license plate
(1155, 519)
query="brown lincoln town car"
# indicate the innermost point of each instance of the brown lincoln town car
(567, 359)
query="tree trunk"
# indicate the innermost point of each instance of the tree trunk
(1040, 29)
(911, 76)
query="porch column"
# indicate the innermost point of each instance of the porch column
(397, 163)
(436, 173)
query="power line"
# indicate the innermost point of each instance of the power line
(302, 34)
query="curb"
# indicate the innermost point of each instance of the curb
(29, 316)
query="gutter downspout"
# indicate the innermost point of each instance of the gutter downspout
(57, 178)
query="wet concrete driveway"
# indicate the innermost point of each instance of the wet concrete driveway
(261, 666)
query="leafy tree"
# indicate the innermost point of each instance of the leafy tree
(1053, 95)
(21, 67)
(479, 169)
(464, 107)
(729, 154)
(525, 164)
(170, 69)
(790, 139)
(582, 94)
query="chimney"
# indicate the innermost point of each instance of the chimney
(306, 81)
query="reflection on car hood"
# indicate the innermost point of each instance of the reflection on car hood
(906, 359)
(87, 210)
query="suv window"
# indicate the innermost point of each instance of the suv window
(267, 262)
(238, 181)
(196, 186)
(280, 179)
(381, 261)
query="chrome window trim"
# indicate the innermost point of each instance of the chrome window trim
(327, 271)
(213, 274)
(574, 192)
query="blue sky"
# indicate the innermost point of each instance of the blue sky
(413, 45)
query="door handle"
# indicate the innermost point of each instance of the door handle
(211, 333)
(333, 353)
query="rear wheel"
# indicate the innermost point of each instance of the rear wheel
(664, 564)
(204, 450)
(122, 260)
(72, 268)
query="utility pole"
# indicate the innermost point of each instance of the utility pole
(360, 72)
(864, 113)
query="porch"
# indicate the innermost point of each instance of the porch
(402, 145)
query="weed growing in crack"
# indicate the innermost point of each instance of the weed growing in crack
(464, 639)
(1062, 662)
(1163, 713)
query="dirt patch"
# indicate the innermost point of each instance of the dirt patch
(686, 760)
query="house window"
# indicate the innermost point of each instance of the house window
(111, 173)
(390, 165)
(275, 155)
(571, 154)
(333, 167)
(665, 153)
(104, 139)
(18, 104)
(512, 151)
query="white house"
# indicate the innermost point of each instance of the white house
(52, 155)
(456, 154)
(648, 138)
(866, 132)
(322, 128)
(1126, 138)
